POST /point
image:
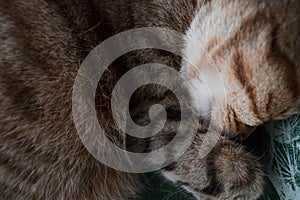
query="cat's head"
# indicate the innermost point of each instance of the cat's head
(241, 63)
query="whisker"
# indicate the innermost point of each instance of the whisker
(270, 40)
(90, 29)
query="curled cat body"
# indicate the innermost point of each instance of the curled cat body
(253, 45)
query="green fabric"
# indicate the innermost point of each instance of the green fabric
(158, 188)
(283, 174)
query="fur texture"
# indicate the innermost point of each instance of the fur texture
(44, 42)
(42, 157)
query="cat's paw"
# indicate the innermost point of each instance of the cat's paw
(227, 172)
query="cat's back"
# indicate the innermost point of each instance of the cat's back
(42, 46)
(41, 155)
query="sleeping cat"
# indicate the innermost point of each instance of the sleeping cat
(222, 38)
(254, 46)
